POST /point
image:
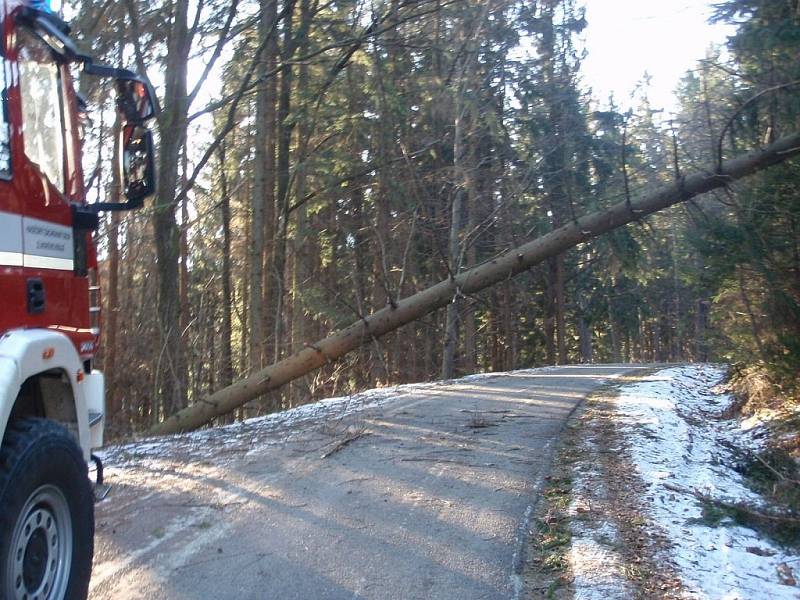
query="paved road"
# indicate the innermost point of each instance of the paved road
(430, 500)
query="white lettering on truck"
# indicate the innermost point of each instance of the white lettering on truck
(29, 242)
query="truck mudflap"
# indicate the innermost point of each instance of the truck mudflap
(101, 489)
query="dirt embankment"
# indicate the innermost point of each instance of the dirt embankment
(758, 396)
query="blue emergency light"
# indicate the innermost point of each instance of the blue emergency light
(51, 6)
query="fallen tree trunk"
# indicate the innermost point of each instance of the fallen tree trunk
(478, 278)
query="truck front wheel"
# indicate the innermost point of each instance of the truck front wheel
(46, 514)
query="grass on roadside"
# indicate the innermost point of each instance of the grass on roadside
(553, 535)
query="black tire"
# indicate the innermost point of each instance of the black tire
(46, 513)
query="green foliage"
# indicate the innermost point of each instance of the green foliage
(749, 242)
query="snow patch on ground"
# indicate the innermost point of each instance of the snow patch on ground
(670, 423)
(596, 567)
(595, 562)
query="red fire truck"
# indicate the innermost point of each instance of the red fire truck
(51, 397)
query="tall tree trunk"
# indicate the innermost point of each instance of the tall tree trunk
(613, 329)
(170, 352)
(112, 292)
(226, 329)
(496, 342)
(470, 329)
(112, 289)
(386, 73)
(585, 337)
(700, 327)
(674, 326)
(263, 198)
(509, 330)
(305, 241)
(112, 317)
(285, 129)
(462, 190)
(561, 309)
(557, 167)
(550, 313)
(454, 246)
(185, 317)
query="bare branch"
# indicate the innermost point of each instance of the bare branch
(221, 41)
(739, 110)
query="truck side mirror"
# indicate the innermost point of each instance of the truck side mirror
(135, 99)
(137, 164)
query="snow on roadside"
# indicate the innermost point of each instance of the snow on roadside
(595, 561)
(668, 421)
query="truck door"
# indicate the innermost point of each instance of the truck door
(45, 177)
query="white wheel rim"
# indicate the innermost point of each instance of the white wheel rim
(41, 548)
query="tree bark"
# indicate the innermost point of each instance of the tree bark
(112, 306)
(173, 125)
(555, 182)
(226, 330)
(506, 265)
(585, 336)
(561, 309)
(467, 83)
(462, 189)
(452, 318)
(613, 327)
(285, 129)
(263, 198)
(550, 312)
(112, 318)
(183, 248)
(385, 69)
(304, 243)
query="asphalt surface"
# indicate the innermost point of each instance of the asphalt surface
(431, 498)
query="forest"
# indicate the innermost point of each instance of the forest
(320, 161)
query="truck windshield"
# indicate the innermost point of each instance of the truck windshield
(42, 125)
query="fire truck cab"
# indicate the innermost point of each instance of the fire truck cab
(51, 397)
